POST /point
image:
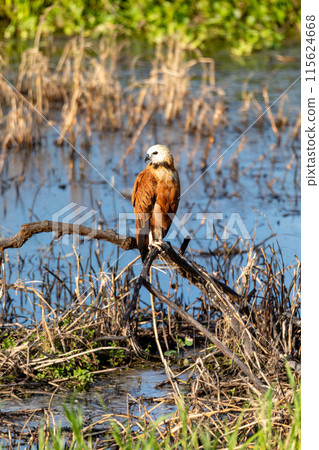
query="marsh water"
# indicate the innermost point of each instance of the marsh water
(121, 394)
(258, 195)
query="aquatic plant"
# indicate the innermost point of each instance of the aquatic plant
(241, 26)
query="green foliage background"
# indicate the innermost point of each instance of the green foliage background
(242, 25)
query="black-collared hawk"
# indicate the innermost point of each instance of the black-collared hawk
(155, 197)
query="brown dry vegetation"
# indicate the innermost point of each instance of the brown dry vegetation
(84, 335)
(87, 339)
(85, 81)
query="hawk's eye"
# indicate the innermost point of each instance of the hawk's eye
(155, 153)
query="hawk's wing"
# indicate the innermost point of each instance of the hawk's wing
(143, 200)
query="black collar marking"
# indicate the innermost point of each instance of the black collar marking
(163, 164)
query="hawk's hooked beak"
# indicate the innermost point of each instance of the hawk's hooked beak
(147, 158)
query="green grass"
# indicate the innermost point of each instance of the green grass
(187, 435)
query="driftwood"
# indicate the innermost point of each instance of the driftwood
(223, 298)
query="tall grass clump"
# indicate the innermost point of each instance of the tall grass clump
(82, 91)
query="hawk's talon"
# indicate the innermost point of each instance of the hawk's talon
(157, 244)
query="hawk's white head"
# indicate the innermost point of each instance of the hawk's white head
(159, 154)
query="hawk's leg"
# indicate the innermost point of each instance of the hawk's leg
(156, 238)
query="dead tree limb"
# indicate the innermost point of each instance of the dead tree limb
(219, 293)
(225, 350)
(143, 276)
(27, 230)
(222, 297)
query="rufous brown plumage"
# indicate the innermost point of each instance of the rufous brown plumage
(155, 197)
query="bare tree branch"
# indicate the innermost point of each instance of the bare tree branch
(27, 230)
(143, 276)
(225, 350)
(223, 297)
